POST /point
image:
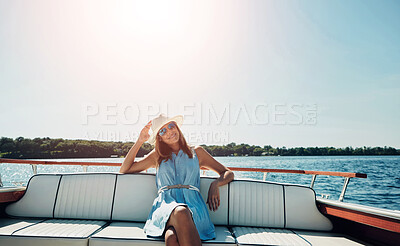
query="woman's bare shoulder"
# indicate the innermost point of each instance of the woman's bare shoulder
(152, 154)
(197, 147)
(200, 151)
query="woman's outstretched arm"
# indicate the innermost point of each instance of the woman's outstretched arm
(225, 176)
(129, 165)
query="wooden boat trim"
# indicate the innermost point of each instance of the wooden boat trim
(376, 217)
(11, 194)
(265, 170)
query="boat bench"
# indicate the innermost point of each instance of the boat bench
(99, 209)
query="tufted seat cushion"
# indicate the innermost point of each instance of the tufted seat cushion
(70, 196)
(85, 196)
(9, 225)
(256, 204)
(267, 236)
(328, 238)
(50, 232)
(128, 233)
(267, 204)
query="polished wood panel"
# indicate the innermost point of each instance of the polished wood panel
(366, 233)
(265, 170)
(377, 221)
(11, 196)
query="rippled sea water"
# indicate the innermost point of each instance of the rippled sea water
(380, 189)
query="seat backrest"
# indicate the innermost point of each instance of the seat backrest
(267, 204)
(129, 197)
(39, 198)
(135, 193)
(134, 196)
(220, 216)
(85, 196)
(301, 210)
(100, 196)
(256, 204)
(69, 196)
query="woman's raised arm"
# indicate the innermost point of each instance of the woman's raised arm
(129, 165)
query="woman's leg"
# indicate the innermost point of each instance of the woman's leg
(186, 231)
(171, 239)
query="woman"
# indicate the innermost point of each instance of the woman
(179, 213)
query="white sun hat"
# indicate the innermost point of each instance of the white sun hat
(159, 121)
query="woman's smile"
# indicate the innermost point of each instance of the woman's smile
(173, 135)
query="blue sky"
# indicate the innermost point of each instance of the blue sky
(327, 71)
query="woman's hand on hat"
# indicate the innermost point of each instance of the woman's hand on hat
(144, 133)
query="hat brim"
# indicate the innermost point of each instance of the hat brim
(178, 119)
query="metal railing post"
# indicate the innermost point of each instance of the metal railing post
(313, 181)
(265, 176)
(346, 182)
(34, 168)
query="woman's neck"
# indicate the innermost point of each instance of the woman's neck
(175, 148)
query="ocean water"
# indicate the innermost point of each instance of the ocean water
(380, 189)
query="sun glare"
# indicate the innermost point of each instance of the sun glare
(149, 17)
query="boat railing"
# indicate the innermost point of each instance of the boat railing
(346, 175)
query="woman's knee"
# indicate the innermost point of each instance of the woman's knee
(182, 211)
(182, 214)
(170, 236)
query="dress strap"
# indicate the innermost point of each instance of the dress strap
(193, 151)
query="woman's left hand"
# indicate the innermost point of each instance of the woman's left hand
(213, 196)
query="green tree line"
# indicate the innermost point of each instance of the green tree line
(65, 148)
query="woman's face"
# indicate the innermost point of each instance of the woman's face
(169, 133)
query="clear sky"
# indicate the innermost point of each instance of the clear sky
(280, 73)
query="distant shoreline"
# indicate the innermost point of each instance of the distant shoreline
(47, 148)
(250, 156)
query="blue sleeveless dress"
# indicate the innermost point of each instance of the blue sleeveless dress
(179, 170)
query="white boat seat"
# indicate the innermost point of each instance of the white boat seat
(52, 232)
(9, 225)
(39, 198)
(128, 233)
(77, 207)
(328, 238)
(267, 236)
(68, 196)
(267, 204)
(85, 196)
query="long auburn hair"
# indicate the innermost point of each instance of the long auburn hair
(163, 150)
